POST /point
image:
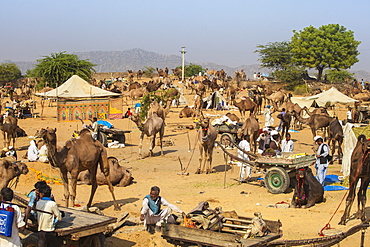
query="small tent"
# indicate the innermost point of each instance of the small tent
(331, 96)
(215, 99)
(78, 99)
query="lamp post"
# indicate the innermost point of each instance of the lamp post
(183, 67)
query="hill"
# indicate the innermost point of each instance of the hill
(135, 59)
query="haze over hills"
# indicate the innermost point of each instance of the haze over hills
(135, 59)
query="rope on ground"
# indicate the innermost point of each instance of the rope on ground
(323, 241)
(191, 157)
(48, 179)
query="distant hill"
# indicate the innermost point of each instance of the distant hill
(135, 59)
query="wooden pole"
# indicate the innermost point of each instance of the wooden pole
(181, 168)
(225, 158)
(189, 145)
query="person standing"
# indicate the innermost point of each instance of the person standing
(281, 116)
(95, 128)
(46, 221)
(349, 115)
(151, 212)
(33, 152)
(287, 145)
(269, 120)
(17, 225)
(322, 162)
(244, 169)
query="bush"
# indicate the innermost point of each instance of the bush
(301, 89)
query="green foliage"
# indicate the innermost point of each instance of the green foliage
(192, 70)
(276, 55)
(291, 75)
(329, 46)
(148, 71)
(301, 89)
(58, 67)
(159, 96)
(9, 71)
(339, 75)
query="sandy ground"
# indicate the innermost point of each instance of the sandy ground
(186, 191)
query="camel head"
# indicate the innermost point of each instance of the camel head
(23, 169)
(49, 135)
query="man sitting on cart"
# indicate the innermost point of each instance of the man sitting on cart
(151, 212)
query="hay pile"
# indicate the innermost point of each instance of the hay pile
(362, 131)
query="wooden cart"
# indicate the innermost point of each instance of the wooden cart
(113, 134)
(185, 236)
(278, 171)
(77, 228)
(229, 134)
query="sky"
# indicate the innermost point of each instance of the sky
(223, 32)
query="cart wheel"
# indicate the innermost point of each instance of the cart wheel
(103, 139)
(277, 180)
(30, 240)
(96, 240)
(226, 139)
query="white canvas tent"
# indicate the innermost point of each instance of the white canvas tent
(76, 87)
(331, 96)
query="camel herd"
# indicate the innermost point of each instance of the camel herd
(82, 157)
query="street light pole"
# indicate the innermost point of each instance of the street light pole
(183, 67)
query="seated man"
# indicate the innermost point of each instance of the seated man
(151, 212)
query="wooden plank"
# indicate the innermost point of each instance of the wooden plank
(236, 226)
(193, 235)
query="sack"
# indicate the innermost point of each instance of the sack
(6, 221)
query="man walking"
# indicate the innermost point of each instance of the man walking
(321, 159)
(244, 169)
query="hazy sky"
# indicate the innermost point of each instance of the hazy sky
(223, 32)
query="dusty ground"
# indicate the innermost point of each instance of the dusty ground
(186, 191)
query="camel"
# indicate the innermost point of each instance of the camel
(336, 135)
(320, 110)
(231, 94)
(156, 108)
(277, 97)
(8, 126)
(285, 125)
(78, 154)
(119, 176)
(10, 169)
(198, 105)
(232, 117)
(187, 112)
(251, 128)
(139, 74)
(153, 125)
(134, 85)
(136, 93)
(206, 137)
(360, 169)
(315, 121)
(245, 105)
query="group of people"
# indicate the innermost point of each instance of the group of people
(35, 154)
(41, 210)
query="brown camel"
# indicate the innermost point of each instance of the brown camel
(206, 137)
(336, 135)
(9, 170)
(8, 126)
(230, 94)
(79, 154)
(277, 97)
(156, 108)
(315, 121)
(251, 127)
(232, 117)
(285, 122)
(187, 112)
(360, 169)
(244, 105)
(320, 110)
(119, 176)
(198, 105)
(153, 125)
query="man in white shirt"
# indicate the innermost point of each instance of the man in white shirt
(95, 128)
(244, 169)
(322, 162)
(151, 212)
(47, 221)
(17, 224)
(287, 145)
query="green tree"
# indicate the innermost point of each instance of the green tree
(291, 75)
(192, 69)
(275, 55)
(148, 71)
(9, 71)
(339, 75)
(329, 46)
(58, 67)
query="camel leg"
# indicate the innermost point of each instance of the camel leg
(313, 130)
(4, 138)
(209, 158)
(152, 145)
(104, 166)
(72, 196)
(349, 200)
(161, 133)
(361, 197)
(340, 152)
(63, 175)
(141, 144)
(200, 159)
